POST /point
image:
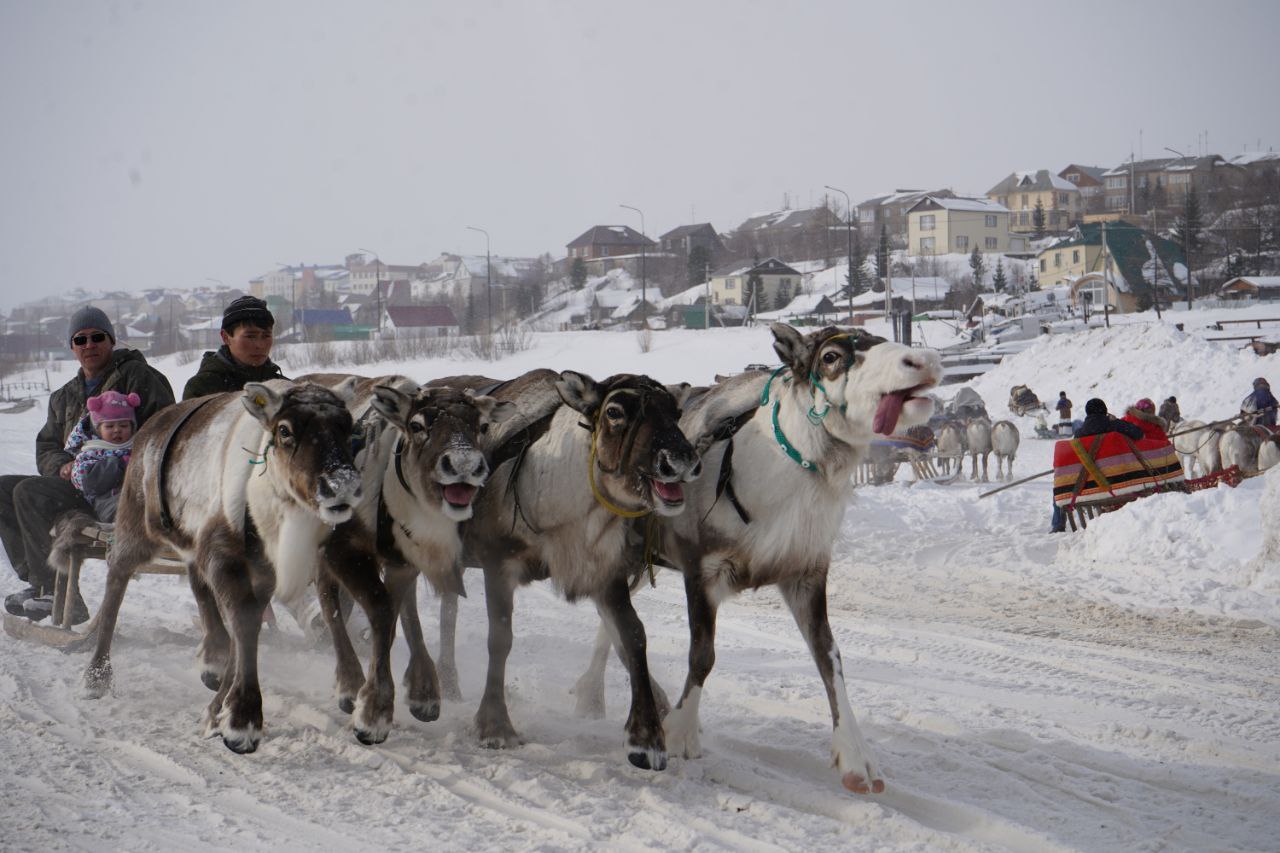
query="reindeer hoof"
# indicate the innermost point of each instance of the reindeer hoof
(241, 744)
(97, 680)
(346, 704)
(211, 680)
(428, 712)
(647, 758)
(372, 736)
(858, 784)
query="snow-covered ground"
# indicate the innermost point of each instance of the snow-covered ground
(1112, 689)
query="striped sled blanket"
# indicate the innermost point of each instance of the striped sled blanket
(1100, 469)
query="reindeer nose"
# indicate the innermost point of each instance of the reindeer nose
(464, 463)
(334, 485)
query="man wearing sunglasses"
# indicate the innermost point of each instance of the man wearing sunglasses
(29, 505)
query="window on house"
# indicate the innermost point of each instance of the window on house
(730, 283)
(1057, 259)
(1063, 199)
(1024, 199)
(992, 243)
(1075, 256)
(1073, 178)
(927, 222)
(991, 220)
(1023, 218)
(1043, 266)
(962, 242)
(927, 244)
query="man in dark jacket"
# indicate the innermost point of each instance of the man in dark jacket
(1063, 407)
(29, 505)
(1170, 411)
(1261, 400)
(245, 354)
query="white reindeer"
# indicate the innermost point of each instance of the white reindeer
(1239, 446)
(1004, 441)
(951, 447)
(977, 432)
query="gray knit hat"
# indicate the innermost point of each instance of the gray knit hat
(90, 317)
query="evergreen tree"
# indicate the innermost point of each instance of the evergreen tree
(1037, 219)
(978, 264)
(783, 297)
(578, 273)
(697, 265)
(1237, 265)
(1192, 221)
(856, 277)
(998, 281)
(882, 253)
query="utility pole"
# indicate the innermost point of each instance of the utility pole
(848, 228)
(377, 286)
(488, 266)
(1186, 235)
(1155, 262)
(644, 299)
(1106, 271)
(706, 300)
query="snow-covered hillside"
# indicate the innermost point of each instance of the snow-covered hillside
(1112, 689)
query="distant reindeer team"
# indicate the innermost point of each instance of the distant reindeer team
(363, 484)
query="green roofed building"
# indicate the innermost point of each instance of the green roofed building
(1138, 262)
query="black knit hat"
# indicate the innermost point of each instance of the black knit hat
(90, 317)
(247, 309)
(1095, 407)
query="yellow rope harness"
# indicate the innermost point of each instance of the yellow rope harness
(649, 527)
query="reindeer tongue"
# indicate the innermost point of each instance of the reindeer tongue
(886, 419)
(459, 494)
(669, 492)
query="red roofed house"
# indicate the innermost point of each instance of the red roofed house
(420, 321)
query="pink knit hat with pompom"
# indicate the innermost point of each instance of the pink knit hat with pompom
(113, 406)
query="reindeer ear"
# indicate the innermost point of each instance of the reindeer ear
(346, 389)
(681, 391)
(579, 391)
(792, 347)
(392, 403)
(494, 411)
(261, 402)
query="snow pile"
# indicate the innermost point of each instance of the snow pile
(1169, 551)
(1126, 363)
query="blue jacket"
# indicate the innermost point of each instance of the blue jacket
(1261, 399)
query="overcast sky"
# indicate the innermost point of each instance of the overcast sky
(149, 144)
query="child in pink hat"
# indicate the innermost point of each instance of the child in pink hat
(102, 443)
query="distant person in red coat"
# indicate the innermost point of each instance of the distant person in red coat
(1142, 414)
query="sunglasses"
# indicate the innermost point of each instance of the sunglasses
(96, 337)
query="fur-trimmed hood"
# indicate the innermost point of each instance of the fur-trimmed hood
(1139, 415)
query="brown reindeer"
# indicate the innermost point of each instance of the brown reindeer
(245, 487)
(580, 460)
(805, 429)
(420, 472)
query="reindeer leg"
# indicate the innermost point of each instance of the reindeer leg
(421, 683)
(215, 645)
(348, 675)
(807, 598)
(589, 688)
(646, 747)
(98, 674)
(493, 722)
(353, 560)
(447, 667)
(243, 593)
(681, 725)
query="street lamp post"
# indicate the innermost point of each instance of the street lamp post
(221, 307)
(293, 298)
(848, 221)
(1186, 229)
(644, 300)
(377, 285)
(488, 268)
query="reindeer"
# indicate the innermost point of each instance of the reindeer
(581, 460)
(951, 447)
(1004, 441)
(1239, 445)
(977, 432)
(420, 471)
(245, 487)
(1269, 452)
(1187, 438)
(802, 431)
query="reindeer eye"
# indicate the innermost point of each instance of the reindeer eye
(830, 357)
(484, 428)
(614, 413)
(284, 432)
(416, 427)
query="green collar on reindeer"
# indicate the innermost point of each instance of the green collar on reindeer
(778, 434)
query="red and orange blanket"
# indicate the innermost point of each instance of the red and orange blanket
(1100, 468)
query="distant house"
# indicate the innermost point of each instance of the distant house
(1141, 185)
(777, 285)
(939, 226)
(890, 210)
(327, 324)
(1136, 263)
(1020, 192)
(814, 232)
(1088, 180)
(1260, 287)
(603, 241)
(684, 239)
(420, 321)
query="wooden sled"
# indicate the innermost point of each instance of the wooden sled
(91, 541)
